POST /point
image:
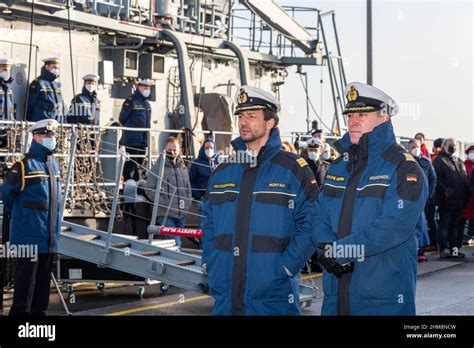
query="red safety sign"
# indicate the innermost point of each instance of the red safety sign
(182, 232)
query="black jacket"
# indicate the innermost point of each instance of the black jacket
(319, 169)
(452, 187)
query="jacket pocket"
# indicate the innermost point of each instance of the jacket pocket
(269, 244)
(333, 191)
(39, 205)
(218, 272)
(375, 191)
(46, 106)
(222, 197)
(223, 242)
(279, 198)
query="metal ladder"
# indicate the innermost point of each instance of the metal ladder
(139, 258)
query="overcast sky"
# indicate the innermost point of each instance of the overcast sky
(422, 53)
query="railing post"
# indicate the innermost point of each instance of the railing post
(69, 175)
(161, 166)
(114, 205)
(148, 166)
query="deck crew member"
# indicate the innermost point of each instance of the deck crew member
(6, 97)
(45, 99)
(85, 107)
(136, 113)
(32, 196)
(258, 227)
(367, 213)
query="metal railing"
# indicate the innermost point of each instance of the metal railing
(253, 33)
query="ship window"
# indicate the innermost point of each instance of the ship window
(158, 64)
(131, 60)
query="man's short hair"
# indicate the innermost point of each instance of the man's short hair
(413, 141)
(269, 114)
(172, 140)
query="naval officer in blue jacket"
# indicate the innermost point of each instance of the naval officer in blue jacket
(32, 196)
(372, 198)
(45, 98)
(136, 113)
(85, 107)
(259, 217)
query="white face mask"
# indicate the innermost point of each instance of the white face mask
(416, 152)
(5, 75)
(313, 156)
(209, 152)
(470, 155)
(146, 93)
(326, 156)
(90, 87)
(55, 72)
(49, 143)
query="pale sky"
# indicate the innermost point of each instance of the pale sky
(422, 54)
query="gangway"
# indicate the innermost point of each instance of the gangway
(136, 257)
(277, 18)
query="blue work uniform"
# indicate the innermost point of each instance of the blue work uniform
(257, 233)
(45, 99)
(372, 199)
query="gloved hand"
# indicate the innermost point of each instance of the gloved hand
(330, 264)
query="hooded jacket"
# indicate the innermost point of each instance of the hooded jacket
(452, 189)
(174, 176)
(32, 195)
(371, 203)
(257, 231)
(136, 113)
(45, 99)
(85, 108)
(201, 170)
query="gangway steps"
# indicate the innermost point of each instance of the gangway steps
(139, 258)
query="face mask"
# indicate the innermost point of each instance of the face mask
(170, 155)
(326, 156)
(209, 153)
(55, 72)
(5, 75)
(416, 152)
(49, 143)
(313, 156)
(451, 149)
(90, 87)
(146, 93)
(471, 156)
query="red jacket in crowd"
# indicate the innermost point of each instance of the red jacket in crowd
(468, 212)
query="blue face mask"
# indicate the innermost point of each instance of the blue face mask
(49, 143)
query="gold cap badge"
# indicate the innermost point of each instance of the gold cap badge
(243, 97)
(353, 94)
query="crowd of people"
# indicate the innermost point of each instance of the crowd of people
(265, 216)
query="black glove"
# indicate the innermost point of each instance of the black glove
(331, 265)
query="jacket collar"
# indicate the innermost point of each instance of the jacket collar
(47, 75)
(371, 144)
(138, 95)
(268, 151)
(86, 93)
(6, 82)
(202, 152)
(39, 151)
(169, 163)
